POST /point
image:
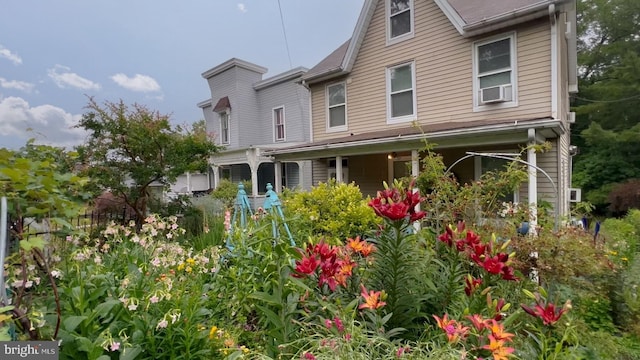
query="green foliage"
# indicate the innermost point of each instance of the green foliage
(331, 211)
(227, 191)
(38, 183)
(129, 148)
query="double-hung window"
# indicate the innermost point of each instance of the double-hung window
(399, 20)
(495, 72)
(278, 124)
(224, 127)
(401, 94)
(336, 107)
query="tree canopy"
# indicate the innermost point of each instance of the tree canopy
(608, 104)
(130, 148)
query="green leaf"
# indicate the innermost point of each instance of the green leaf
(104, 308)
(72, 322)
(33, 242)
(4, 334)
(268, 298)
(272, 317)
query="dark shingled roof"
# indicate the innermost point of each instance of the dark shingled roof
(222, 105)
(331, 62)
(472, 11)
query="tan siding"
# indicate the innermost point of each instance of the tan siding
(443, 75)
(548, 162)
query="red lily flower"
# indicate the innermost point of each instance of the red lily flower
(471, 284)
(306, 266)
(548, 313)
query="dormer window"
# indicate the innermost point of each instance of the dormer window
(399, 20)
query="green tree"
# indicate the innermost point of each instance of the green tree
(608, 104)
(130, 148)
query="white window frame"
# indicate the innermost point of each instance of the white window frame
(329, 107)
(405, 36)
(477, 104)
(275, 124)
(227, 115)
(404, 118)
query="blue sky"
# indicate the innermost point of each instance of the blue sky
(54, 54)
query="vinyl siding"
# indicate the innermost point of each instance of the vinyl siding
(368, 172)
(294, 99)
(443, 61)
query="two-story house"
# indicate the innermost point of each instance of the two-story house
(249, 115)
(484, 77)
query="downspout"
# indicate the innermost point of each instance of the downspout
(533, 183)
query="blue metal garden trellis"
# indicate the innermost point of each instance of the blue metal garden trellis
(272, 204)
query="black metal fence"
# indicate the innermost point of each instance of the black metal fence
(90, 221)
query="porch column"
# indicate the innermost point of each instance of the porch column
(216, 176)
(533, 183)
(188, 181)
(339, 169)
(277, 169)
(252, 160)
(415, 163)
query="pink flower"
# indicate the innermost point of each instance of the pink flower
(115, 346)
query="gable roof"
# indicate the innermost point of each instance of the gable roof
(469, 17)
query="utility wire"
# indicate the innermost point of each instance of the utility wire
(608, 101)
(284, 31)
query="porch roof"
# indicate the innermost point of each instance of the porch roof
(443, 135)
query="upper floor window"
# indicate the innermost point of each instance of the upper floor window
(401, 94)
(337, 106)
(399, 20)
(278, 123)
(495, 73)
(224, 127)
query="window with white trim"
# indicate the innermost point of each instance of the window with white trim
(278, 124)
(494, 72)
(336, 106)
(399, 20)
(224, 127)
(401, 94)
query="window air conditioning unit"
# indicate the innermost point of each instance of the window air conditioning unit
(495, 94)
(575, 195)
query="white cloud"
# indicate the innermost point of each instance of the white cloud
(63, 77)
(15, 84)
(242, 8)
(140, 83)
(7, 54)
(48, 124)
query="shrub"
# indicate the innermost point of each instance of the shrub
(330, 210)
(227, 192)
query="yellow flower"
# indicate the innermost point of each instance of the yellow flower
(212, 332)
(228, 342)
(188, 269)
(180, 266)
(244, 349)
(624, 259)
(190, 261)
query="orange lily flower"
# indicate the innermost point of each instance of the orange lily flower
(371, 299)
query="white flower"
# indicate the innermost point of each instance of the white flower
(56, 274)
(132, 306)
(154, 299)
(162, 324)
